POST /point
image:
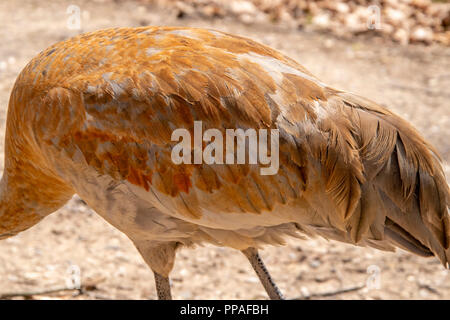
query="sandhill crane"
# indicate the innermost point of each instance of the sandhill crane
(95, 115)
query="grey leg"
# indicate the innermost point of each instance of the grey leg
(162, 287)
(264, 276)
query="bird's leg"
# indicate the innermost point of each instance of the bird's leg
(160, 257)
(162, 287)
(263, 275)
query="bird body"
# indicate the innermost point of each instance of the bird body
(94, 115)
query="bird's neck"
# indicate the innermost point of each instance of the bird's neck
(16, 213)
(27, 196)
(29, 190)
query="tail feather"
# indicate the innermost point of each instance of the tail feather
(405, 240)
(404, 172)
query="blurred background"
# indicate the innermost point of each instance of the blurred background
(395, 52)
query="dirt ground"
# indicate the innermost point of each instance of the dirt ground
(413, 81)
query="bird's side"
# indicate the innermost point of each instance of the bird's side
(94, 115)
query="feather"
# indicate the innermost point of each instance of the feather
(94, 115)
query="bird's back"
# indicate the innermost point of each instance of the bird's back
(101, 108)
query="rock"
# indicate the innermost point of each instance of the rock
(11, 60)
(184, 9)
(315, 263)
(422, 34)
(402, 36)
(247, 18)
(243, 7)
(395, 17)
(352, 22)
(212, 11)
(342, 7)
(321, 20)
(252, 280)
(421, 4)
(446, 21)
(443, 38)
(305, 292)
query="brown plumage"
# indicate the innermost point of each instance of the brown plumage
(94, 114)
